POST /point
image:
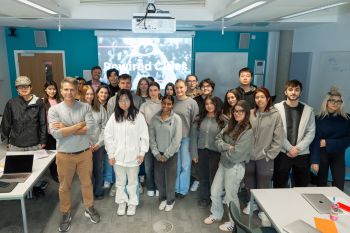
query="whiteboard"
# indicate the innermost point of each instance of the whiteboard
(335, 71)
(222, 68)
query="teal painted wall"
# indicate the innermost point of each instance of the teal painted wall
(80, 47)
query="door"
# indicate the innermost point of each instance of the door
(41, 67)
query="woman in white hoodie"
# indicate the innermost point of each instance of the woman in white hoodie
(127, 141)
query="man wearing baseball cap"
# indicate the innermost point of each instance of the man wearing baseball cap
(23, 125)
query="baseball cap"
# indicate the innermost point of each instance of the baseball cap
(23, 81)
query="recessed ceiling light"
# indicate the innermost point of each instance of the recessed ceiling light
(32, 4)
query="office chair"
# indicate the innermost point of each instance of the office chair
(236, 217)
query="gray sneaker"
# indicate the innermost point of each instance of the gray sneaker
(92, 213)
(65, 222)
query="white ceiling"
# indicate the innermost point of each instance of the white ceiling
(189, 14)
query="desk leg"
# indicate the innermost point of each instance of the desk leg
(24, 215)
(251, 210)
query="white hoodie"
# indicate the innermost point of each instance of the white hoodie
(126, 140)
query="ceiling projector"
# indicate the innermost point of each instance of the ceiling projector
(153, 23)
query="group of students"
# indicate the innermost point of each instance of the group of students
(244, 138)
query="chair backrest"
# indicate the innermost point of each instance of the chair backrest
(236, 217)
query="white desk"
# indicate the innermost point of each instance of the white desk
(21, 190)
(283, 206)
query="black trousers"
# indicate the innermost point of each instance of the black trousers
(298, 167)
(208, 163)
(334, 161)
(165, 176)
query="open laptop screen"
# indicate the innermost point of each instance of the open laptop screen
(18, 164)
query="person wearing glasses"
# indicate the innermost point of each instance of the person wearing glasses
(331, 140)
(23, 125)
(126, 142)
(234, 143)
(192, 86)
(207, 87)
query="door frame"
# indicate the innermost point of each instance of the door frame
(40, 51)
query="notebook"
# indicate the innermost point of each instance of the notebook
(18, 167)
(300, 226)
(319, 201)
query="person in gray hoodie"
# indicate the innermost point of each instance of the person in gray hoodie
(233, 142)
(268, 139)
(165, 137)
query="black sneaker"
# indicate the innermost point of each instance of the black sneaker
(65, 222)
(92, 213)
(203, 203)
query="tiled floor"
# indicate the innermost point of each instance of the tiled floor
(43, 215)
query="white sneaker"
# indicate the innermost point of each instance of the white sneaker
(169, 207)
(112, 191)
(131, 210)
(227, 226)
(246, 210)
(157, 193)
(150, 193)
(106, 185)
(265, 222)
(162, 205)
(211, 219)
(121, 209)
(195, 186)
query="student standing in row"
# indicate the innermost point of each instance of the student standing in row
(169, 89)
(187, 109)
(96, 139)
(203, 149)
(268, 139)
(331, 140)
(112, 75)
(192, 86)
(149, 109)
(234, 143)
(127, 141)
(299, 127)
(246, 88)
(142, 88)
(165, 137)
(231, 98)
(71, 123)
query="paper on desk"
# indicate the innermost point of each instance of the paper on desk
(325, 225)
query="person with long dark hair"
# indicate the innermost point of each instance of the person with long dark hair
(331, 139)
(233, 142)
(99, 114)
(165, 137)
(268, 139)
(169, 89)
(231, 98)
(203, 149)
(127, 141)
(51, 98)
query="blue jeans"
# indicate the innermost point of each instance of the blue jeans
(97, 158)
(108, 172)
(149, 169)
(183, 167)
(226, 182)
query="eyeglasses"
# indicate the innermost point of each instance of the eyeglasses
(124, 101)
(238, 111)
(333, 101)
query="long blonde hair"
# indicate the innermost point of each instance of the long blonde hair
(334, 91)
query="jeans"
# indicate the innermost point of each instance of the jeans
(208, 162)
(165, 178)
(149, 169)
(126, 177)
(97, 159)
(226, 182)
(108, 172)
(183, 167)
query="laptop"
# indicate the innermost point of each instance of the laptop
(18, 167)
(300, 226)
(319, 201)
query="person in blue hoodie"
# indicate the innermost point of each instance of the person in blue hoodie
(331, 139)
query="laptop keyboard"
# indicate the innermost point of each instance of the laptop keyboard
(14, 176)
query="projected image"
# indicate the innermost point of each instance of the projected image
(165, 59)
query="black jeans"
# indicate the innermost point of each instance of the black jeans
(97, 171)
(300, 167)
(208, 162)
(165, 176)
(149, 170)
(335, 161)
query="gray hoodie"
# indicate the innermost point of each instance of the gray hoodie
(149, 109)
(241, 147)
(165, 136)
(268, 134)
